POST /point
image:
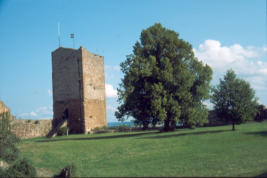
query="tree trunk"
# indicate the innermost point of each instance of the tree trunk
(166, 125)
(233, 126)
(145, 126)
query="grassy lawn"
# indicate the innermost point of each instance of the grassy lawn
(210, 151)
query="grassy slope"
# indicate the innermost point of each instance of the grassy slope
(213, 151)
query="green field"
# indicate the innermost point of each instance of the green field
(209, 151)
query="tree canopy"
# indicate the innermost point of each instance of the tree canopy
(234, 101)
(163, 81)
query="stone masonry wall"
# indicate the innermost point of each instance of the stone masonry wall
(67, 87)
(3, 108)
(31, 128)
(94, 90)
(79, 86)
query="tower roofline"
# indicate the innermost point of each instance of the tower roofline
(81, 48)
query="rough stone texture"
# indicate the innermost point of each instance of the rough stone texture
(3, 107)
(30, 128)
(78, 86)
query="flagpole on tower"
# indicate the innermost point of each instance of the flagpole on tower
(58, 33)
(72, 36)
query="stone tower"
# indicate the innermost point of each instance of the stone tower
(78, 89)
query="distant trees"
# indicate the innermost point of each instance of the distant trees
(261, 113)
(163, 81)
(234, 101)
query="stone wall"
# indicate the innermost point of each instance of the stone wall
(27, 128)
(31, 128)
(3, 107)
(79, 87)
(94, 90)
(67, 87)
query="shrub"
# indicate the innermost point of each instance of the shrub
(103, 129)
(21, 168)
(2, 172)
(123, 128)
(37, 122)
(62, 131)
(8, 151)
(68, 171)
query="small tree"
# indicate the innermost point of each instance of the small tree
(234, 101)
(9, 152)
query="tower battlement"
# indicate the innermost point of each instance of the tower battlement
(78, 89)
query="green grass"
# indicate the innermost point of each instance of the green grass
(210, 151)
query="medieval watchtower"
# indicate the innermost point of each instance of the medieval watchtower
(78, 89)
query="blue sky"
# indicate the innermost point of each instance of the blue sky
(224, 33)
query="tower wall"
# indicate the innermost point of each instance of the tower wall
(78, 86)
(94, 90)
(67, 93)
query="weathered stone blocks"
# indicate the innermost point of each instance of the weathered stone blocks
(79, 87)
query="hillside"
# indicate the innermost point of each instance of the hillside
(210, 151)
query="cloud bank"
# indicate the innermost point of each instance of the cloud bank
(247, 62)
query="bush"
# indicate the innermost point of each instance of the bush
(21, 168)
(123, 128)
(62, 131)
(37, 122)
(68, 171)
(103, 129)
(8, 151)
(2, 172)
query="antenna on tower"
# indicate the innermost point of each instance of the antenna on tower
(58, 33)
(72, 36)
(265, 23)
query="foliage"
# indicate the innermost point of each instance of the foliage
(261, 113)
(123, 128)
(103, 129)
(8, 151)
(36, 122)
(62, 131)
(163, 81)
(202, 152)
(67, 172)
(2, 172)
(21, 168)
(234, 101)
(214, 120)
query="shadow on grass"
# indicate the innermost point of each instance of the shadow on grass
(97, 137)
(185, 134)
(261, 133)
(262, 175)
(158, 135)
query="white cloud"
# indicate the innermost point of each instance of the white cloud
(111, 108)
(49, 92)
(110, 91)
(40, 113)
(245, 61)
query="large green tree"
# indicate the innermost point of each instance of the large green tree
(234, 100)
(163, 81)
